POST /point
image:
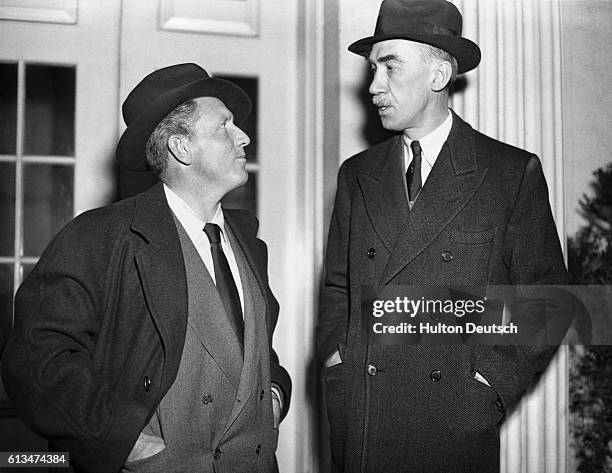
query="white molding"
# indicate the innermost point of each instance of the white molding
(308, 239)
(223, 17)
(59, 11)
(517, 89)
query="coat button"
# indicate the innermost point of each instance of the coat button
(371, 253)
(147, 383)
(217, 454)
(207, 399)
(499, 405)
(447, 256)
(261, 395)
(435, 376)
(258, 449)
(372, 370)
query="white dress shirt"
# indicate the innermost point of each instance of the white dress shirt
(195, 230)
(431, 145)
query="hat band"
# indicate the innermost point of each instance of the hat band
(401, 25)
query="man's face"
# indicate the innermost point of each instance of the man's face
(401, 83)
(218, 157)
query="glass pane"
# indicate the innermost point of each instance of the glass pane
(6, 303)
(7, 209)
(47, 204)
(49, 110)
(249, 126)
(8, 108)
(244, 197)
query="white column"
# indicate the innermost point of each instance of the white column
(515, 96)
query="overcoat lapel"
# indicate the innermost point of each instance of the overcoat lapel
(384, 193)
(453, 181)
(162, 273)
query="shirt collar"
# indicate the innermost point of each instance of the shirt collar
(192, 224)
(432, 143)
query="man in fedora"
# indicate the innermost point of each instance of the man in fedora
(143, 336)
(437, 205)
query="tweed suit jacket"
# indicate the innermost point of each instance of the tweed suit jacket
(100, 327)
(482, 218)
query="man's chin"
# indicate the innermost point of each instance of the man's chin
(390, 125)
(242, 180)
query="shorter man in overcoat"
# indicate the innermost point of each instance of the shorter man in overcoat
(143, 336)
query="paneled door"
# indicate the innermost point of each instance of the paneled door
(58, 128)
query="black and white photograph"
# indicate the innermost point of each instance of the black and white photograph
(305, 236)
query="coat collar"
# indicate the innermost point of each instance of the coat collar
(384, 191)
(453, 180)
(161, 269)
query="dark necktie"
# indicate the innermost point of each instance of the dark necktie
(413, 174)
(225, 281)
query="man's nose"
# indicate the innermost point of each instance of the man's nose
(377, 85)
(241, 139)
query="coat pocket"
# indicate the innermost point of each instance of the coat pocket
(472, 238)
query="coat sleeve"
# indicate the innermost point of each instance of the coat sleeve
(278, 374)
(333, 320)
(48, 368)
(533, 254)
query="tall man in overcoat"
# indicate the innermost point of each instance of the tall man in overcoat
(437, 205)
(143, 336)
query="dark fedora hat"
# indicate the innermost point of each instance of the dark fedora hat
(434, 22)
(161, 92)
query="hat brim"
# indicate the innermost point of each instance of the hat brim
(131, 148)
(465, 51)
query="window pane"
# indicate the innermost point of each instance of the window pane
(244, 197)
(249, 126)
(47, 204)
(7, 209)
(6, 302)
(49, 110)
(8, 108)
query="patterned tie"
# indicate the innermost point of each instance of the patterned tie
(225, 281)
(413, 174)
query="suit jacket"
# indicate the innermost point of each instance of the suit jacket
(100, 327)
(482, 218)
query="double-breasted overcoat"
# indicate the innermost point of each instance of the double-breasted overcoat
(482, 218)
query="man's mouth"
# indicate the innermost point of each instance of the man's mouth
(381, 106)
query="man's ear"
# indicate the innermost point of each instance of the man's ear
(442, 75)
(179, 149)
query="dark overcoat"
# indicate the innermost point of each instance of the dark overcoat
(482, 218)
(100, 326)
